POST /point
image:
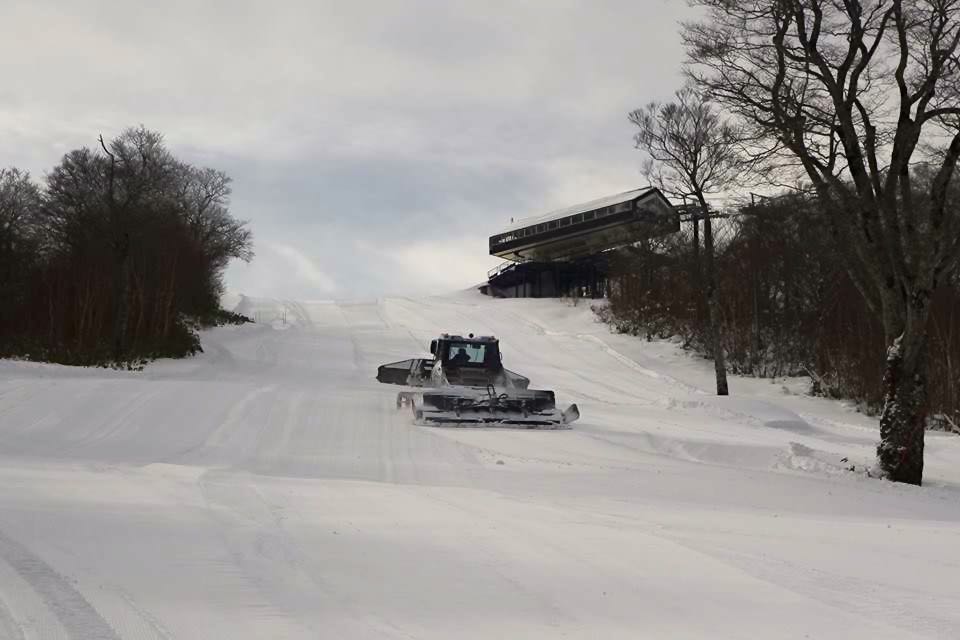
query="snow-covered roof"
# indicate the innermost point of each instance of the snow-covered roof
(599, 203)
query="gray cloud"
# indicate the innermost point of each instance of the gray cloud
(369, 141)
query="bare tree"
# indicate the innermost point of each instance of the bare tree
(138, 240)
(858, 94)
(19, 202)
(204, 197)
(692, 154)
(20, 236)
(139, 172)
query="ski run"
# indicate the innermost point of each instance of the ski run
(269, 488)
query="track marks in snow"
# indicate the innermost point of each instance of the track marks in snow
(886, 603)
(592, 339)
(364, 315)
(9, 628)
(153, 623)
(288, 593)
(78, 617)
(121, 422)
(255, 542)
(236, 415)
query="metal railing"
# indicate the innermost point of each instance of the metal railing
(503, 267)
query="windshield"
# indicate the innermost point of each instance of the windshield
(461, 353)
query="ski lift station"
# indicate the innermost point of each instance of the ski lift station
(566, 252)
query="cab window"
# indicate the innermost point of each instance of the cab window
(461, 353)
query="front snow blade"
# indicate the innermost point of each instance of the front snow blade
(470, 407)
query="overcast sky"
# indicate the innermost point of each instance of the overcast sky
(374, 145)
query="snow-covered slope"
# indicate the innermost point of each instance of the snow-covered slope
(269, 489)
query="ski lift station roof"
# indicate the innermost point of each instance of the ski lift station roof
(588, 228)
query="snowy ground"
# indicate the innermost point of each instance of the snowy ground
(269, 489)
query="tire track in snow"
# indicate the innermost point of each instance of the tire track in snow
(619, 393)
(152, 622)
(276, 567)
(887, 604)
(623, 359)
(235, 415)
(9, 627)
(77, 616)
(116, 425)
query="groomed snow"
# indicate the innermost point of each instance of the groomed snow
(269, 489)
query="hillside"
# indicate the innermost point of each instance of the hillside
(269, 488)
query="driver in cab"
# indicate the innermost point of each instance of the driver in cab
(460, 358)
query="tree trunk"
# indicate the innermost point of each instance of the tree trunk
(904, 416)
(697, 269)
(713, 306)
(121, 308)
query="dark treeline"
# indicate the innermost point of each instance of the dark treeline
(787, 305)
(116, 256)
